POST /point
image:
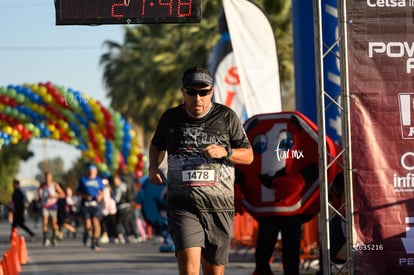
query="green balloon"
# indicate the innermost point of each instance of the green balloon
(30, 127)
(22, 117)
(7, 110)
(14, 113)
(3, 90)
(12, 93)
(20, 98)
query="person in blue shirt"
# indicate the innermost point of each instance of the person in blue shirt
(90, 189)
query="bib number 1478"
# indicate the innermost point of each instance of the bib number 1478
(198, 175)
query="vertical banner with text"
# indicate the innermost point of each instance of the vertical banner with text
(222, 64)
(381, 80)
(304, 61)
(255, 55)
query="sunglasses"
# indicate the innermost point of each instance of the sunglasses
(194, 92)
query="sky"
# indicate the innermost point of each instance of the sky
(33, 50)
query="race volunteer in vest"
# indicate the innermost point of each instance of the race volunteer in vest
(203, 141)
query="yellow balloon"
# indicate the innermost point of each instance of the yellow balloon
(130, 167)
(103, 167)
(132, 133)
(56, 135)
(16, 133)
(64, 125)
(48, 98)
(31, 106)
(8, 130)
(135, 150)
(51, 127)
(89, 154)
(90, 146)
(35, 88)
(40, 109)
(30, 126)
(132, 159)
(95, 107)
(99, 117)
(86, 98)
(102, 148)
(74, 142)
(92, 126)
(101, 141)
(91, 101)
(42, 91)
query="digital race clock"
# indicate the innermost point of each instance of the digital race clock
(100, 12)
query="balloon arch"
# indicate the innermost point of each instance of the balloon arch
(46, 110)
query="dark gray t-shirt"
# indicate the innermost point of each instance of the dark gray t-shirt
(194, 181)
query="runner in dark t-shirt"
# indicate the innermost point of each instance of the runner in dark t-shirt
(203, 141)
(211, 179)
(19, 202)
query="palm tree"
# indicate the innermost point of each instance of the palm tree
(142, 75)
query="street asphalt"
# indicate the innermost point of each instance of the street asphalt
(71, 257)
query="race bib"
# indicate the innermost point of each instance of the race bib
(201, 175)
(90, 203)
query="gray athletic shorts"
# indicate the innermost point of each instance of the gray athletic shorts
(210, 230)
(52, 213)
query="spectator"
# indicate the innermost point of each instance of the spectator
(126, 226)
(108, 206)
(141, 225)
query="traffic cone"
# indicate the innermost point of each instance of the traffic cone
(5, 266)
(8, 262)
(14, 235)
(23, 256)
(2, 267)
(14, 253)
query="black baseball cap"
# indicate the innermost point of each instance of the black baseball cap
(197, 75)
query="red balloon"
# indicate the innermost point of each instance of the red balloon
(139, 173)
(98, 159)
(140, 156)
(140, 165)
(121, 160)
(19, 127)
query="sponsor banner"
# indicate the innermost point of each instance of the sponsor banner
(304, 59)
(228, 88)
(255, 54)
(381, 74)
(222, 65)
(331, 64)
